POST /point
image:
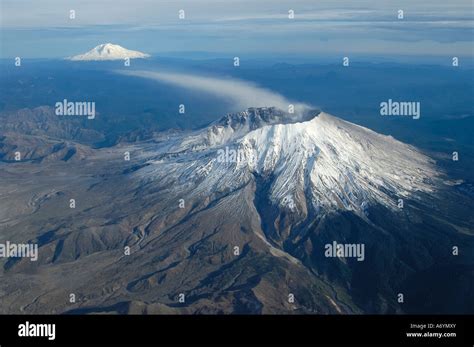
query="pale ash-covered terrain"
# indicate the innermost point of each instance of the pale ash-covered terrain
(233, 218)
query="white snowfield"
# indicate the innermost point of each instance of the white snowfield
(108, 51)
(323, 163)
(337, 164)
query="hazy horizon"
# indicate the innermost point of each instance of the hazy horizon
(431, 29)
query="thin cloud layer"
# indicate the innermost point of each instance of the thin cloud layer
(323, 27)
(242, 94)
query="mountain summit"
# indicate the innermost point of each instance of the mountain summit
(317, 163)
(108, 51)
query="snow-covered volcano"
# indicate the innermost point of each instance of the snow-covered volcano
(318, 163)
(235, 216)
(109, 51)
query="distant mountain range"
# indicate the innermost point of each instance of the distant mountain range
(108, 51)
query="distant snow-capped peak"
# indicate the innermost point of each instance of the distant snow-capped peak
(108, 51)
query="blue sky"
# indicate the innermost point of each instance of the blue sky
(43, 29)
